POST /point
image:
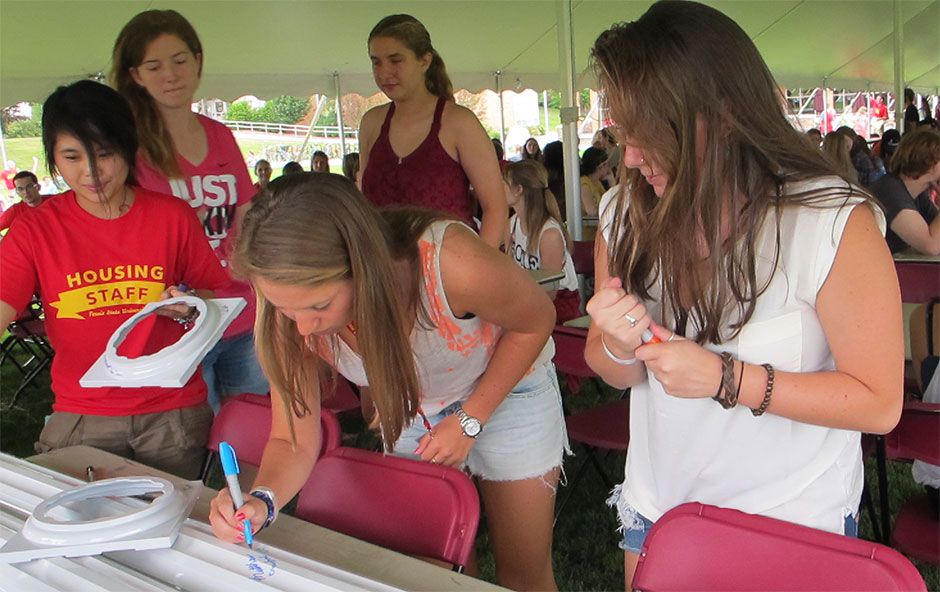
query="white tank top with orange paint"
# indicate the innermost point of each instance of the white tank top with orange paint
(451, 355)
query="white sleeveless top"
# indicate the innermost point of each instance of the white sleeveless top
(520, 245)
(685, 450)
(451, 355)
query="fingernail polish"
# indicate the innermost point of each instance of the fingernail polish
(240, 516)
(241, 537)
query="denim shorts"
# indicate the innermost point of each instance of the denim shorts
(524, 438)
(635, 535)
(231, 368)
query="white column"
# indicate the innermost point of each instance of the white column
(339, 113)
(569, 117)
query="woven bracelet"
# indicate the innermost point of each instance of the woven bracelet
(726, 396)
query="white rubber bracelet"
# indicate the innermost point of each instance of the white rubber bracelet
(620, 361)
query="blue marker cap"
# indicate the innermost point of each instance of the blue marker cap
(229, 462)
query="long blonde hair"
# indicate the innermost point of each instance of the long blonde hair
(538, 200)
(681, 69)
(129, 49)
(312, 229)
(836, 146)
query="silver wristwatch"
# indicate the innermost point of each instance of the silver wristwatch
(470, 425)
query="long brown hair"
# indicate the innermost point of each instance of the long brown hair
(129, 49)
(538, 200)
(682, 69)
(316, 228)
(414, 36)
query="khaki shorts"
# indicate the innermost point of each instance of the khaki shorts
(173, 441)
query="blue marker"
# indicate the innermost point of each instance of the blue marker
(230, 468)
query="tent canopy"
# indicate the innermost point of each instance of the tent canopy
(270, 48)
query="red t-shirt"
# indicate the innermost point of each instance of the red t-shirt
(10, 214)
(214, 188)
(7, 176)
(879, 111)
(92, 275)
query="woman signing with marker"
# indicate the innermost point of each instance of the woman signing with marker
(439, 329)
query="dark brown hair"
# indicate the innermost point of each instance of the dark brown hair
(414, 36)
(129, 50)
(680, 70)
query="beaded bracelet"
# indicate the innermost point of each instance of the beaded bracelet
(267, 496)
(610, 355)
(767, 392)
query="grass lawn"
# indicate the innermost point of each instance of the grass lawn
(22, 151)
(586, 556)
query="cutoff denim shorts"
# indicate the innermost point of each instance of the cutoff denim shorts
(524, 438)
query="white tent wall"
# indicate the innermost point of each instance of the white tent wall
(269, 48)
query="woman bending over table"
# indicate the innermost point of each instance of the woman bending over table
(328, 268)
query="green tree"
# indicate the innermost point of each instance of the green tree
(285, 109)
(16, 126)
(240, 111)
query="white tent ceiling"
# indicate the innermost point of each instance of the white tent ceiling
(268, 48)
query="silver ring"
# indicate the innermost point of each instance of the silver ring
(632, 320)
(434, 461)
(671, 337)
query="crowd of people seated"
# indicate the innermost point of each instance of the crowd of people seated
(731, 250)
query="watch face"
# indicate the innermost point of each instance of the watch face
(471, 426)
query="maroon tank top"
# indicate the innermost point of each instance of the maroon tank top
(428, 177)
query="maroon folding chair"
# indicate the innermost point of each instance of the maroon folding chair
(916, 530)
(27, 348)
(244, 421)
(699, 547)
(409, 506)
(342, 400)
(569, 356)
(603, 427)
(583, 257)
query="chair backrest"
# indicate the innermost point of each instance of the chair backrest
(699, 547)
(918, 280)
(917, 435)
(406, 505)
(583, 257)
(341, 400)
(569, 351)
(244, 421)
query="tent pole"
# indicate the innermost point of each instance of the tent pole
(569, 117)
(3, 148)
(321, 100)
(339, 113)
(898, 66)
(545, 110)
(502, 108)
